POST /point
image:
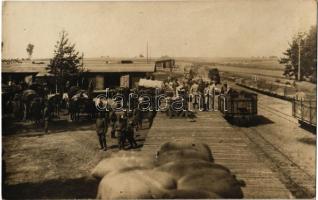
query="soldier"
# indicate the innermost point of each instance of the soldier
(101, 126)
(130, 135)
(46, 117)
(201, 93)
(194, 94)
(121, 126)
(212, 94)
(113, 119)
(36, 111)
(207, 97)
(138, 116)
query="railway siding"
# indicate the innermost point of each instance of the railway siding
(296, 179)
(230, 146)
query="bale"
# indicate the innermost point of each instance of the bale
(185, 154)
(184, 150)
(150, 83)
(180, 168)
(136, 184)
(215, 181)
(121, 162)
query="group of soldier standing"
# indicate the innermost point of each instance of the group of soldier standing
(198, 92)
(122, 125)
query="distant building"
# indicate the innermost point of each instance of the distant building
(116, 74)
(104, 75)
(166, 63)
(18, 72)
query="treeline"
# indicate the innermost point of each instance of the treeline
(302, 50)
(12, 61)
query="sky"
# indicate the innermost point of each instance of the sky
(216, 28)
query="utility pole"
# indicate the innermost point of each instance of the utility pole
(299, 59)
(55, 73)
(147, 52)
(82, 72)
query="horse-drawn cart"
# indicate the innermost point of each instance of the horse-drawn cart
(239, 106)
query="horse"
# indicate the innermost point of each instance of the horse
(81, 105)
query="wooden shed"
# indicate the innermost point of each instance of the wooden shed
(116, 74)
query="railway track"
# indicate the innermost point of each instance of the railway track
(277, 113)
(297, 180)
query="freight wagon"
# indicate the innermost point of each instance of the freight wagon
(239, 106)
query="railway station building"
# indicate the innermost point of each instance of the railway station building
(110, 75)
(22, 71)
(103, 74)
(166, 63)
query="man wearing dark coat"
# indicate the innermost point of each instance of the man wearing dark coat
(113, 119)
(130, 135)
(46, 117)
(102, 126)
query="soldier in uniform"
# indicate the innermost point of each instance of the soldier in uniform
(138, 117)
(194, 94)
(101, 126)
(130, 135)
(46, 117)
(113, 119)
(121, 127)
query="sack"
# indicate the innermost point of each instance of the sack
(136, 184)
(150, 83)
(180, 168)
(121, 162)
(173, 155)
(212, 180)
(184, 150)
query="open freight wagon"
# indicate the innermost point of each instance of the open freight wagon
(239, 106)
(305, 110)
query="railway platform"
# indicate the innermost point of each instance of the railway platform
(230, 147)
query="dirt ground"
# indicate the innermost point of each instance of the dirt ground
(57, 164)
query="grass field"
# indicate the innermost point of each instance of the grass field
(248, 66)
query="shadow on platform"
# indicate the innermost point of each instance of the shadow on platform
(258, 120)
(308, 128)
(53, 189)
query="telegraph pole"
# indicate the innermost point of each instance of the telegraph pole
(82, 72)
(299, 59)
(147, 52)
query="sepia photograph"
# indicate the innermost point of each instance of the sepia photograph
(166, 99)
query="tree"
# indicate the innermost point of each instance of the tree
(305, 43)
(65, 63)
(29, 50)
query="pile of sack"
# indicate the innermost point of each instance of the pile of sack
(183, 170)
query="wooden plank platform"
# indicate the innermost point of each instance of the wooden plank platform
(229, 146)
